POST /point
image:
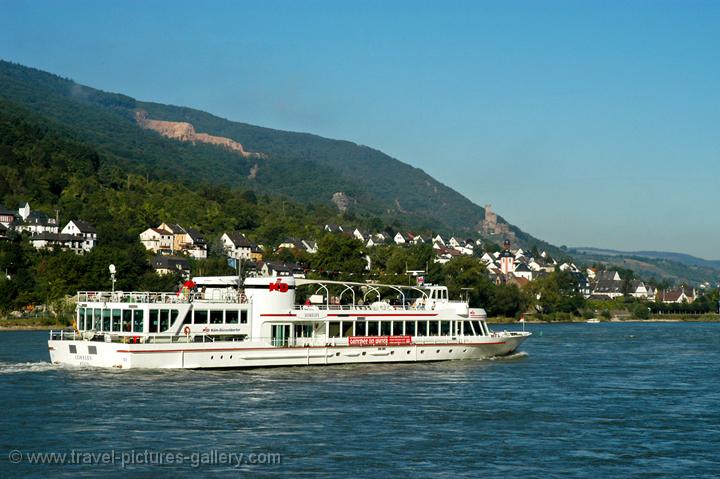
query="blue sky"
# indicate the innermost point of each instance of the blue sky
(585, 123)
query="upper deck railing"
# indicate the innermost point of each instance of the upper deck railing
(158, 297)
(358, 307)
(379, 306)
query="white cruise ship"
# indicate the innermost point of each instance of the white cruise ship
(217, 324)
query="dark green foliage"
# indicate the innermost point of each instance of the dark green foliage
(556, 293)
(338, 254)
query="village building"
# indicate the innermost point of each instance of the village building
(277, 268)
(310, 246)
(34, 222)
(83, 229)
(164, 264)
(677, 295)
(237, 246)
(58, 241)
(195, 244)
(157, 240)
(522, 270)
(7, 217)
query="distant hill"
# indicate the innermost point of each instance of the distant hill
(195, 147)
(677, 267)
(676, 257)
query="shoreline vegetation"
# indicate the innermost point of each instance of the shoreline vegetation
(45, 324)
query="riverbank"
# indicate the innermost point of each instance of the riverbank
(31, 324)
(43, 324)
(679, 318)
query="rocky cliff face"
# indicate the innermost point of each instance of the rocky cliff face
(182, 131)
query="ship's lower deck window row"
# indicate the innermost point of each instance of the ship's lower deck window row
(159, 320)
(342, 329)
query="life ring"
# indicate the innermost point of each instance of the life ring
(186, 330)
(243, 298)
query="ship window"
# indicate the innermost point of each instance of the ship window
(385, 328)
(174, 313)
(97, 315)
(360, 328)
(372, 328)
(92, 349)
(468, 330)
(231, 317)
(73, 349)
(445, 328)
(188, 318)
(138, 321)
(479, 330)
(410, 328)
(422, 328)
(116, 320)
(303, 330)
(154, 322)
(105, 320)
(334, 329)
(216, 317)
(164, 320)
(398, 328)
(243, 316)
(201, 317)
(81, 318)
(433, 328)
(127, 320)
(347, 328)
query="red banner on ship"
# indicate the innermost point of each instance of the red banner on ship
(379, 340)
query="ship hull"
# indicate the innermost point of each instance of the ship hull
(233, 355)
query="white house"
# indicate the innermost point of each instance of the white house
(157, 240)
(310, 246)
(35, 222)
(333, 228)
(52, 241)
(534, 265)
(360, 235)
(83, 229)
(453, 243)
(487, 259)
(163, 264)
(276, 268)
(399, 239)
(467, 248)
(195, 244)
(439, 239)
(677, 295)
(523, 271)
(237, 246)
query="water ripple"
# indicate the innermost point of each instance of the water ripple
(590, 401)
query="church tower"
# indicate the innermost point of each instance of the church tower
(507, 260)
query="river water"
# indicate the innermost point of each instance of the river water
(603, 400)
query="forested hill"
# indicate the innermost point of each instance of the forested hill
(300, 166)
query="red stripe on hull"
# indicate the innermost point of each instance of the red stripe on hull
(205, 350)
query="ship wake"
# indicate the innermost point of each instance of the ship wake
(510, 357)
(34, 367)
